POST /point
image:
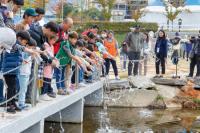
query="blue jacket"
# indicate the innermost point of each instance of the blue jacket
(11, 61)
(161, 44)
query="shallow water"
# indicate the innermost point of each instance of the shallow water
(125, 120)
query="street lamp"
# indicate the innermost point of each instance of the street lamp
(180, 23)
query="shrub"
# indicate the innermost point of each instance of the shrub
(117, 27)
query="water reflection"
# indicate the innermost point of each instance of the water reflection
(125, 120)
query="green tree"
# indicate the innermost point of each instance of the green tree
(93, 14)
(137, 14)
(172, 11)
(107, 6)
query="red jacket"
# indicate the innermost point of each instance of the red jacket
(62, 36)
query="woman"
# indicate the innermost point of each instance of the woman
(161, 53)
(112, 48)
(146, 51)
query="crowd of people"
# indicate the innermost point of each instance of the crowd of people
(59, 52)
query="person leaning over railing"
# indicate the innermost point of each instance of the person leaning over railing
(6, 43)
(47, 90)
(24, 75)
(65, 56)
(11, 64)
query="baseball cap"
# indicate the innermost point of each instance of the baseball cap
(18, 2)
(30, 12)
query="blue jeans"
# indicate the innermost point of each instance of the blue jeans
(60, 76)
(1, 90)
(81, 75)
(23, 83)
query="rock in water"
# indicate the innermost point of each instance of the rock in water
(167, 92)
(131, 98)
(118, 84)
(141, 82)
(158, 104)
(170, 82)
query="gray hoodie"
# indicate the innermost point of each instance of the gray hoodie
(135, 41)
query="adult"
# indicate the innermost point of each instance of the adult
(161, 53)
(63, 30)
(188, 48)
(40, 14)
(195, 57)
(111, 45)
(41, 33)
(8, 8)
(5, 43)
(145, 53)
(135, 42)
(28, 18)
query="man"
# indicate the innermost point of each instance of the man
(7, 14)
(40, 14)
(64, 28)
(135, 41)
(195, 57)
(40, 35)
(28, 18)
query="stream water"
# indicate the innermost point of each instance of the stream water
(127, 120)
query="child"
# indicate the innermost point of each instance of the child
(10, 62)
(24, 74)
(47, 90)
(65, 56)
(80, 54)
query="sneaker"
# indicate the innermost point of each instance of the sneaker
(117, 78)
(11, 109)
(61, 92)
(52, 95)
(23, 107)
(45, 97)
(70, 91)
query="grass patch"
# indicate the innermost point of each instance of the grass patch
(159, 97)
(197, 101)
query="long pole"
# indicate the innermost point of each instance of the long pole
(62, 12)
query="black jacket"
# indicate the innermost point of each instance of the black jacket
(37, 34)
(161, 43)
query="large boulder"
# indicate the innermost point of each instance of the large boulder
(141, 82)
(131, 98)
(167, 92)
(170, 82)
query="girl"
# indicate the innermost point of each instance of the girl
(161, 53)
(47, 90)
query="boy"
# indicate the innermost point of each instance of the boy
(24, 74)
(11, 62)
(65, 56)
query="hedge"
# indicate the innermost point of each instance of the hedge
(117, 27)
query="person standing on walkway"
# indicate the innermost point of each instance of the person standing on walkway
(146, 52)
(135, 41)
(195, 57)
(161, 53)
(112, 47)
(64, 28)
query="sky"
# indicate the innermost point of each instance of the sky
(159, 2)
